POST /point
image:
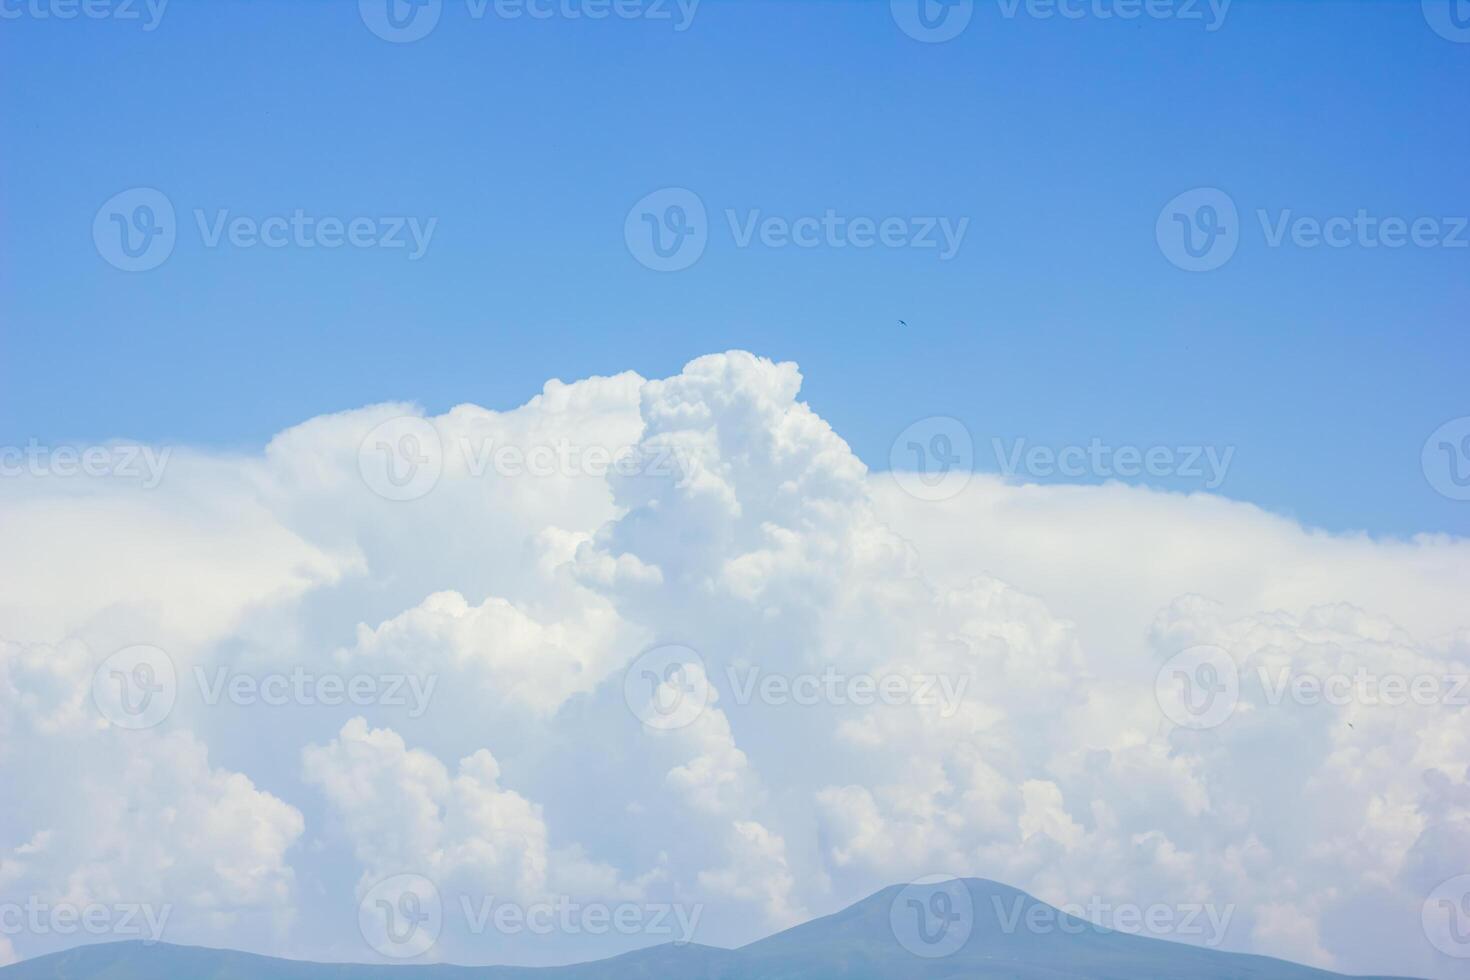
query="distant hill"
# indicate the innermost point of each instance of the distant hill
(968, 929)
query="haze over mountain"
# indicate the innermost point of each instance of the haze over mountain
(970, 928)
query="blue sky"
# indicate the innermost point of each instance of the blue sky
(1058, 321)
(1240, 238)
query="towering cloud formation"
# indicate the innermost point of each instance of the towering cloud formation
(889, 687)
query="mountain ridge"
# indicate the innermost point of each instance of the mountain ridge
(944, 930)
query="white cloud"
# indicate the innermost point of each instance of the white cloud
(716, 777)
(404, 811)
(512, 655)
(1293, 931)
(758, 872)
(768, 545)
(96, 814)
(1042, 812)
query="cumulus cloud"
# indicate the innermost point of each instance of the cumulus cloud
(514, 656)
(403, 810)
(758, 872)
(527, 576)
(96, 815)
(716, 778)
